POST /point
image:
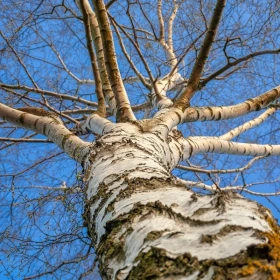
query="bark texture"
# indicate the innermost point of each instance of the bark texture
(146, 224)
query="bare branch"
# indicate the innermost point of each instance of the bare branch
(213, 188)
(101, 109)
(161, 22)
(19, 59)
(48, 126)
(193, 82)
(50, 44)
(248, 125)
(251, 192)
(184, 54)
(168, 46)
(77, 260)
(170, 25)
(148, 20)
(236, 62)
(49, 157)
(202, 186)
(110, 3)
(45, 104)
(123, 105)
(22, 140)
(96, 36)
(138, 74)
(50, 93)
(276, 207)
(220, 171)
(200, 145)
(171, 117)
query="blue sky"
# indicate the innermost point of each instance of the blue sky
(30, 209)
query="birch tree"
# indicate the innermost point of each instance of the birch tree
(157, 120)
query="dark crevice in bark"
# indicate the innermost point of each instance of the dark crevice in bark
(135, 185)
(112, 246)
(158, 264)
(121, 209)
(101, 146)
(257, 262)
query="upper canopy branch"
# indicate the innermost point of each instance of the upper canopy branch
(228, 112)
(170, 25)
(215, 188)
(136, 71)
(167, 44)
(60, 96)
(124, 111)
(196, 73)
(19, 59)
(160, 20)
(101, 110)
(220, 171)
(96, 37)
(236, 62)
(248, 125)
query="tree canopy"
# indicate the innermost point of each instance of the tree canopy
(216, 62)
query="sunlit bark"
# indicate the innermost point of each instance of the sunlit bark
(143, 221)
(49, 125)
(146, 223)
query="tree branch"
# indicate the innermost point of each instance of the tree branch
(220, 171)
(236, 62)
(193, 82)
(96, 36)
(202, 186)
(213, 188)
(229, 112)
(201, 145)
(124, 111)
(101, 109)
(138, 74)
(19, 59)
(49, 126)
(248, 125)
(170, 25)
(50, 93)
(171, 117)
(160, 20)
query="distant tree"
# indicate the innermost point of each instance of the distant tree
(131, 137)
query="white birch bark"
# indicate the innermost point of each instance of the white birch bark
(50, 126)
(248, 125)
(174, 116)
(145, 223)
(201, 145)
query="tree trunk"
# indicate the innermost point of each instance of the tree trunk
(145, 224)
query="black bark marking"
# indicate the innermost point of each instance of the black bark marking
(179, 117)
(211, 113)
(44, 128)
(219, 116)
(65, 138)
(21, 118)
(35, 123)
(248, 103)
